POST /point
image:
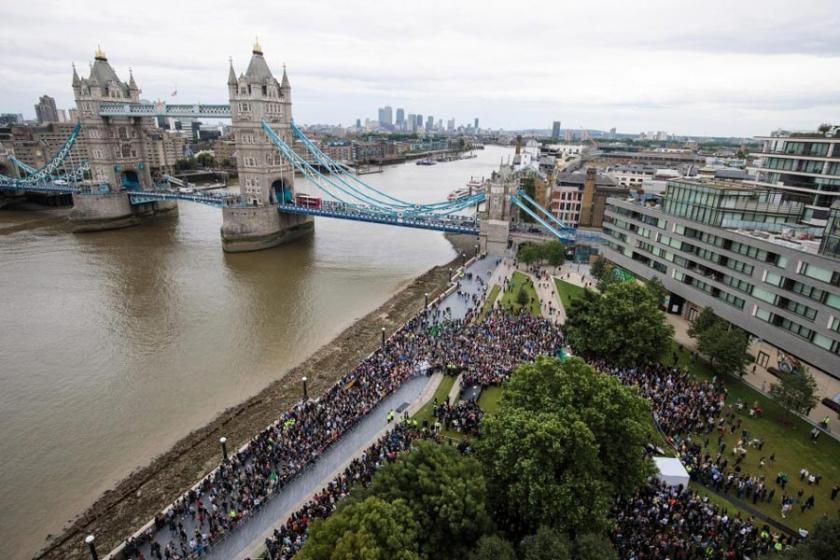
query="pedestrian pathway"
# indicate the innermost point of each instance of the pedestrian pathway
(249, 541)
(469, 285)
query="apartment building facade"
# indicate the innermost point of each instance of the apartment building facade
(779, 287)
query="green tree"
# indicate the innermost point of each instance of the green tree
(446, 492)
(795, 391)
(371, 529)
(655, 286)
(614, 413)
(522, 296)
(542, 469)
(528, 253)
(554, 253)
(600, 268)
(546, 544)
(624, 323)
(594, 546)
(205, 160)
(492, 547)
(725, 346)
(822, 544)
(703, 321)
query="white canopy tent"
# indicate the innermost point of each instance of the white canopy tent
(671, 471)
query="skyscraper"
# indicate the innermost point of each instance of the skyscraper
(419, 121)
(411, 123)
(555, 129)
(400, 118)
(45, 110)
(389, 115)
(476, 124)
(430, 123)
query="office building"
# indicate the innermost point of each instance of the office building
(386, 116)
(411, 123)
(400, 118)
(803, 166)
(450, 125)
(555, 129)
(741, 252)
(419, 121)
(430, 123)
(10, 118)
(476, 124)
(45, 110)
(579, 198)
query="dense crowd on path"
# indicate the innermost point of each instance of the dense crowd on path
(244, 482)
(486, 352)
(288, 539)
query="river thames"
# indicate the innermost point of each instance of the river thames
(114, 345)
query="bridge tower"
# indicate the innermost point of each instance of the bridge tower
(117, 150)
(265, 178)
(494, 230)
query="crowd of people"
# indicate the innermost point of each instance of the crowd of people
(246, 480)
(657, 522)
(288, 539)
(243, 483)
(676, 522)
(486, 352)
(463, 416)
(661, 521)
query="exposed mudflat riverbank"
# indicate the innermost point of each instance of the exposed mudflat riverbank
(132, 502)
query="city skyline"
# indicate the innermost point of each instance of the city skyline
(631, 67)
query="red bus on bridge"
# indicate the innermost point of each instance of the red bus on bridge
(307, 201)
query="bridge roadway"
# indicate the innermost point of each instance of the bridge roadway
(247, 540)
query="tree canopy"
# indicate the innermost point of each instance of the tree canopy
(552, 252)
(546, 544)
(493, 547)
(615, 413)
(446, 493)
(724, 344)
(796, 391)
(372, 529)
(624, 324)
(564, 439)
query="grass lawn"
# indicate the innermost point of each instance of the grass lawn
(489, 301)
(489, 399)
(567, 292)
(787, 437)
(509, 297)
(442, 393)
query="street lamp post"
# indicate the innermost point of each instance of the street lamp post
(383, 337)
(223, 443)
(305, 394)
(463, 259)
(427, 299)
(450, 274)
(476, 250)
(89, 541)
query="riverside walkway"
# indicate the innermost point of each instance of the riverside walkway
(247, 540)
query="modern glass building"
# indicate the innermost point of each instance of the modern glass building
(730, 248)
(803, 166)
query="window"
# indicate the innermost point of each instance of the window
(821, 274)
(763, 359)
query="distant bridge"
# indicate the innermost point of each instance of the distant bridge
(345, 195)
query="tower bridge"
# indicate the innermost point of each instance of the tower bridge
(117, 186)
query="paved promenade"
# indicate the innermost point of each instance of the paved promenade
(247, 540)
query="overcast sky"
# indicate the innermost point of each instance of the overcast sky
(704, 67)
